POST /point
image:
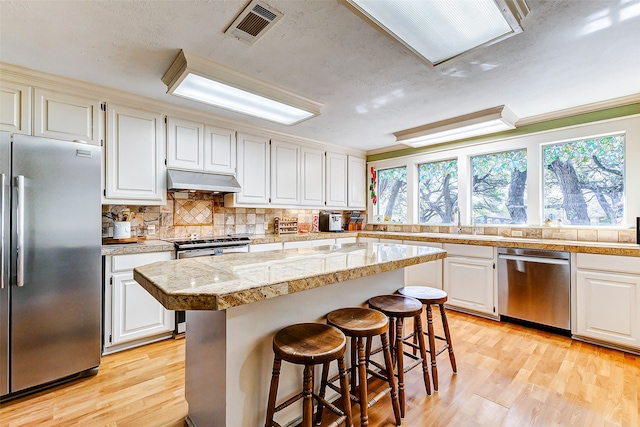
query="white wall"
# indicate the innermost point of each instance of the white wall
(533, 143)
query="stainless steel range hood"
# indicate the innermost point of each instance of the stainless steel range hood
(197, 181)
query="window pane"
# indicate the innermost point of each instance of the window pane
(584, 181)
(499, 188)
(391, 202)
(438, 187)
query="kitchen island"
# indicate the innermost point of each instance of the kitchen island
(237, 302)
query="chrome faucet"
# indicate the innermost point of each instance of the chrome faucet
(456, 211)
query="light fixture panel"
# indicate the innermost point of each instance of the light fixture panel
(199, 79)
(483, 122)
(439, 30)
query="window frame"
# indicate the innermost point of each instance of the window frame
(532, 142)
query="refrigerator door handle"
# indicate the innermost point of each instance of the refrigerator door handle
(20, 230)
(2, 232)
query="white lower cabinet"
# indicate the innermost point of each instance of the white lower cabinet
(368, 239)
(264, 247)
(342, 240)
(132, 317)
(427, 273)
(298, 244)
(469, 278)
(608, 299)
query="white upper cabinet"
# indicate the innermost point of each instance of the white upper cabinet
(15, 107)
(185, 144)
(69, 117)
(253, 170)
(285, 173)
(311, 176)
(135, 170)
(336, 180)
(219, 150)
(357, 182)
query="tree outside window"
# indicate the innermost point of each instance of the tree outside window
(499, 184)
(584, 181)
(392, 194)
(438, 191)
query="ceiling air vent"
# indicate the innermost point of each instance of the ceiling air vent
(253, 21)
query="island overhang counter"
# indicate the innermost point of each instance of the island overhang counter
(236, 302)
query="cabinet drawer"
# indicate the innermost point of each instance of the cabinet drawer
(265, 247)
(129, 262)
(622, 264)
(469, 250)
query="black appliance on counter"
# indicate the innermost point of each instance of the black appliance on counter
(206, 247)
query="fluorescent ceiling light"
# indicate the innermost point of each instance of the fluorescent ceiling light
(483, 122)
(197, 78)
(438, 30)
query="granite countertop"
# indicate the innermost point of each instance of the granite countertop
(144, 246)
(602, 248)
(229, 280)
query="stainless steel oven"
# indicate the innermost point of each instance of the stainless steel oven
(206, 247)
(535, 286)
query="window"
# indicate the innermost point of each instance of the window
(499, 184)
(584, 181)
(438, 192)
(391, 203)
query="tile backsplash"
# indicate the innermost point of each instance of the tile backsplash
(203, 214)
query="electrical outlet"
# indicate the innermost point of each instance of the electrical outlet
(266, 225)
(151, 230)
(516, 233)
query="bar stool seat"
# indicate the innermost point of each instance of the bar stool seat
(433, 296)
(309, 344)
(360, 324)
(399, 307)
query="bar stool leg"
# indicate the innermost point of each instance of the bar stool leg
(354, 364)
(400, 362)
(273, 390)
(419, 335)
(322, 391)
(392, 338)
(432, 347)
(344, 389)
(392, 381)
(447, 335)
(362, 382)
(307, 393)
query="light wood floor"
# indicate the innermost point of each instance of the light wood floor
(508, 375)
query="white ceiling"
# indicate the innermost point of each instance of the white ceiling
(571, 53)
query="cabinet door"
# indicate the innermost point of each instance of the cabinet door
(253, 169)
(67, 117)
(298, 244)
(608, 307)
(219, 150)
(469, 283)
(265, 247)
(336, 180)
(285, 173)
(15, 107)
(136, 314)
(135, 171)
(427, 273)
(185, 142)
(357, 182)
(312, 177)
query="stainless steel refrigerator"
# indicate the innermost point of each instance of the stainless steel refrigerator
(50, 295)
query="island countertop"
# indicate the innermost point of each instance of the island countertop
(230, 280)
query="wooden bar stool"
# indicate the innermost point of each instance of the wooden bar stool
(429, 296)
(399, 307)
(360, 324)
(309, 344)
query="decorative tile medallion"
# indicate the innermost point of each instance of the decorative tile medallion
(193, 212)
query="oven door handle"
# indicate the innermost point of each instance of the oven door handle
(540, 260)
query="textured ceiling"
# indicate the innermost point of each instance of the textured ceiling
(571, 53)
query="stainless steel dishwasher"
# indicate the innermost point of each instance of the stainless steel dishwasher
(535, 286)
